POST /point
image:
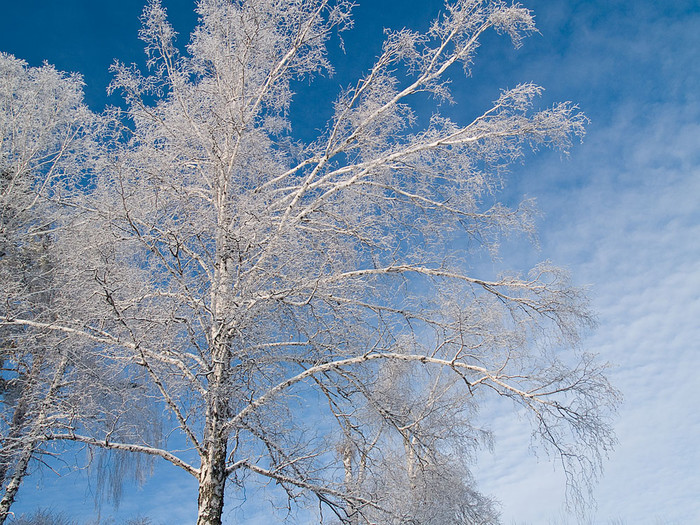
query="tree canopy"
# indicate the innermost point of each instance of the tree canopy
(306, 312)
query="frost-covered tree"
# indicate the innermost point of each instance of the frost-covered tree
(47, 380)
(42, 127)
(306, 313)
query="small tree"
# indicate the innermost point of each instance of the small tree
(42, 517)
(303, 311)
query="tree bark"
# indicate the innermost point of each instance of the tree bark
(13, 486)
(212, 477)
(212, 480)
(353, 516)
(33, 438)
(9, 445)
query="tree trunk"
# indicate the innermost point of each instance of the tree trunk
(212, 481)
(13, 486)
(9, 445)
(350, 483)
(212, 477)
(19, 420)
(33, 438)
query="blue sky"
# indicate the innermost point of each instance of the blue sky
(621, 213)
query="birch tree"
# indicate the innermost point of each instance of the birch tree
(42, 121)
(47, 381)
(307, 314)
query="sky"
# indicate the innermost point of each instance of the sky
(620, 212)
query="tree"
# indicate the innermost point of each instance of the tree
(46, 380)
(42, 517)
(42, 129)
(306, 313)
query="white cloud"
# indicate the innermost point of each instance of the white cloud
(630, 226)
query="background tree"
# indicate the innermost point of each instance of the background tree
(42, 125)
(307, 313)
(46, 143)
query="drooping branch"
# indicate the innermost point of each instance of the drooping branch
(495, 380)
(127, 447)
(316, 489)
